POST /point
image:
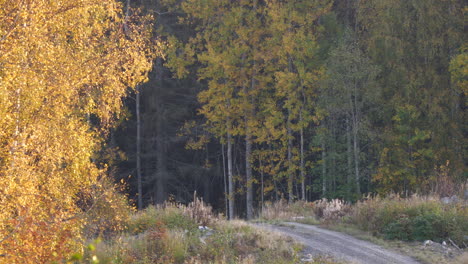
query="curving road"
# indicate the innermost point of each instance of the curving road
(342, 247)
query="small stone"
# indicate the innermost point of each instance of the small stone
(445, 200)
(307, 258)
(428, 243)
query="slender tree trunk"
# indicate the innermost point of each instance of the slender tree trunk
(356, 140)
(230, 175)
(248, 148)
(127, 13)
(273, 177)
(161, 151)
(290, 171)
(276, 189)
(333, 168)
(225, 182)
(248, 170)
(303, 177)
(138, 151)
(349, 170)
(324, 169)
(138, 136)
(261, 180)
(290, 142)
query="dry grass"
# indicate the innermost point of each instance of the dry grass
(306, 212)
(462, 259)
(331, 210)
(200, 212)
(170, 234)
(282, 211)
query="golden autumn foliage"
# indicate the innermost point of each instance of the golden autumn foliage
(64, 67)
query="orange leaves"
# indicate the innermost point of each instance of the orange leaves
(64, 66)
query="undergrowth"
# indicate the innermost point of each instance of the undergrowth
(171, 233)
(416, 218)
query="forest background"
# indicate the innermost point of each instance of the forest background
(265, 100)
(241, 101)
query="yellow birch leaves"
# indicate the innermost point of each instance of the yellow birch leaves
(64, 66)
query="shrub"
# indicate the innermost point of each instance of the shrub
(414, 218)
(400, 229)
(427, 226)
(175, 218)
(143, 220)
(107, 210)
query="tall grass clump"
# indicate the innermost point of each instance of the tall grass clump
(414, 218)
(282, 210)
(171, 233)
(327, 211)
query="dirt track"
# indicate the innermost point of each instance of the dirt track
(342, 247)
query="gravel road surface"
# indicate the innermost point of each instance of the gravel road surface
(342, 247)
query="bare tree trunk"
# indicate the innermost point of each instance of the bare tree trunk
(138, 151)
(248, 172)
(333, 168)
(356, 139)
(349, 171)
(248, 147)
(324, 169)
(290, 172)
(138, 135)
(273, 178)
(225, 182)
(161, 151)
(302, 161)
(230, 176)
(127, 13)
(289, 135)
(261, 180)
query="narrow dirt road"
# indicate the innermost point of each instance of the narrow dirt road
(342, 247)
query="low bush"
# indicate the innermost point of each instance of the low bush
(414, 218)
(106, 208)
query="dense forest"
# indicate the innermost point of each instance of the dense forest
(263, 100)
(242, 101)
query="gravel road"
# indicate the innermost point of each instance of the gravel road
(342, 247)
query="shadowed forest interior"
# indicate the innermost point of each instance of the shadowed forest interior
(315, 98)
